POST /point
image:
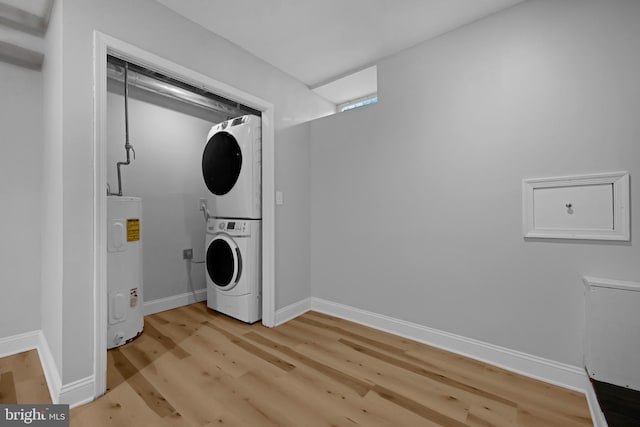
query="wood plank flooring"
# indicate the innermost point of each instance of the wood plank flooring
(22, 379)
(194, 367)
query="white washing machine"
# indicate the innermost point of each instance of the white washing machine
(233, 263)
(232, 167)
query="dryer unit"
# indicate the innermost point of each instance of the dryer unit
(124, 270)
(232, 167)
(233, 268)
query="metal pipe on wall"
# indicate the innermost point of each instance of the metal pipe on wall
(116, 72)
(127, 147)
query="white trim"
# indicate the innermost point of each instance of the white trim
(103, 44)
(620, 215)
(557, 373)
(75, 393)
(51, 373)
(18, 343)
(291, 311)
(169, 303)
(100, 213)
(597, 282)
(597, 416)
(35, 340)
(268, 218)
(78, 392)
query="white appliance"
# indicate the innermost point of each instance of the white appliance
(232, 167)
(234, 285)
(612, 339)
(124, 270)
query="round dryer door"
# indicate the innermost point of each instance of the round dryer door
(221, 163)
(224, 263)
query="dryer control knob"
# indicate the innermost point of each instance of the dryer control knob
(221, 226)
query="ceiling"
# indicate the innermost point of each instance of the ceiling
(318, 41)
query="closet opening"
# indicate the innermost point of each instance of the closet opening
(171, 110)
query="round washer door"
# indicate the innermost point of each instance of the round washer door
(221, 163)
(224, 263)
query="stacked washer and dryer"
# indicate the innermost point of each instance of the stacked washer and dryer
(232, 171)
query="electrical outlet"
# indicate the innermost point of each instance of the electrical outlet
(204, 204)
(187, 254)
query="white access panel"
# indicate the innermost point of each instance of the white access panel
(577, 207)
(594, 207)
(612, 342)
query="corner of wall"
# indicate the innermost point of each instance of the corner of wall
(49, 367)
(175, 301)
(18, 343)
(292, 311)
(75, 393)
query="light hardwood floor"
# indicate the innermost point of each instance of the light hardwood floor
(22, 379)
(194, 367)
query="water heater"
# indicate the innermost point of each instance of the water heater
(124, 269)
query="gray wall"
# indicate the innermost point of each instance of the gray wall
(168, 140)
(21, 165)
(416, 201)
(145, 24)
(292, 217)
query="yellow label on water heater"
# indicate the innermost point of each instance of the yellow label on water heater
(133, 230)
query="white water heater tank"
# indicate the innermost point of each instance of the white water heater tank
(124, 269)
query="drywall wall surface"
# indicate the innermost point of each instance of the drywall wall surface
(416, 204)
(292, 216)
(50, 211)
(165, 174)
(20, 188)
(152, 27)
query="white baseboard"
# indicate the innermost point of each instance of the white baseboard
(35, 340)
(78, 392)
(291, 311)
(18, 343)
(594, 406)
(557, 373)
(51, 373)
(75, 393)
(561, 374)
(169, 303)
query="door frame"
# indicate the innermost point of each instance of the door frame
(104, 44)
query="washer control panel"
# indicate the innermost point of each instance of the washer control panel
(240, 226)
(230, 226)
